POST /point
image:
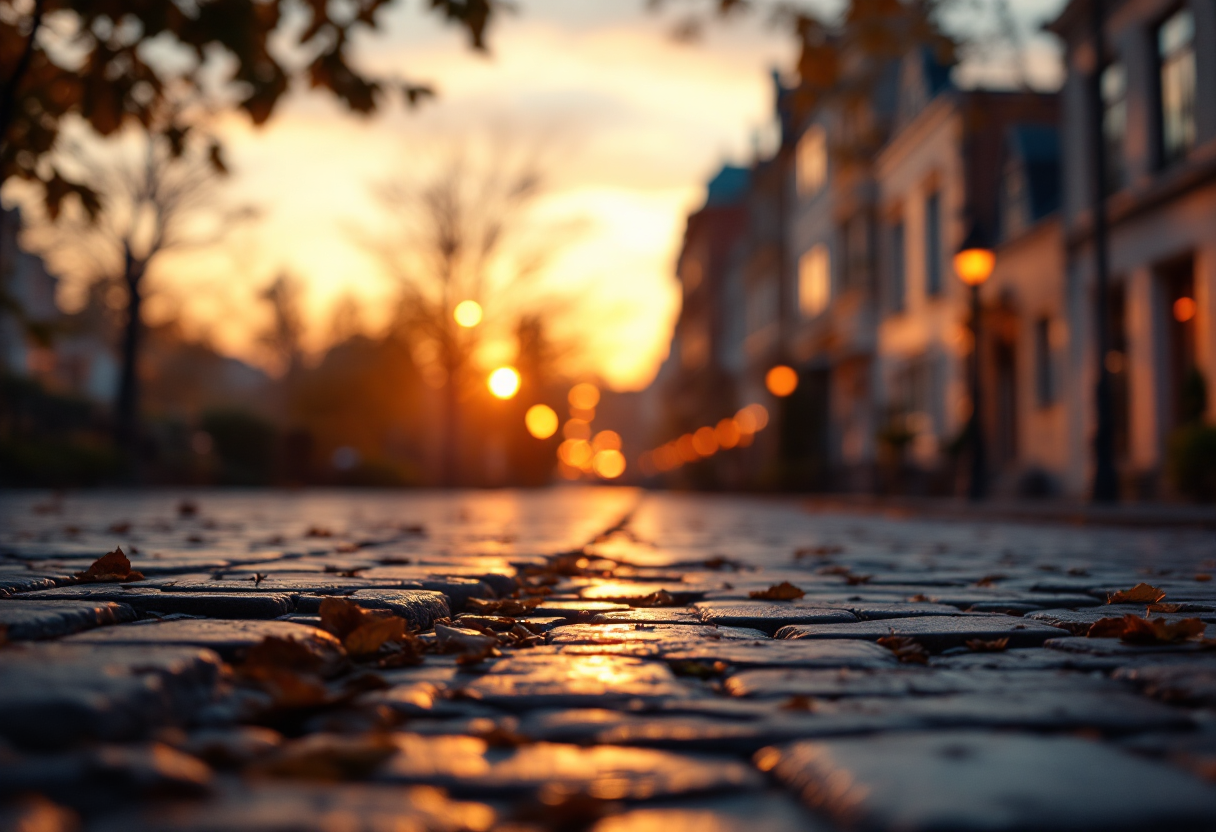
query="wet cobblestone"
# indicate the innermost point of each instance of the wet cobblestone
(596, 659)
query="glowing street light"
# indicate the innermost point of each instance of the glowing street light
(608, 463)
(584, 396)
(781, 381)
(504, 382)
(467, 313)
(541, 421)
(974, 264)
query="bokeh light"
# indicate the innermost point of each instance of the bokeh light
(609, 464)
(752, 418)
(575, 452)
(686, 450)
(781, 381)
(1184, 309)
(584, 396)
(576, 429)
(541, 421)
(727, 433)
(705, 442)
(606, 440)
(467, 313)
(504, 382)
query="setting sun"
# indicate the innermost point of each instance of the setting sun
(504, 382)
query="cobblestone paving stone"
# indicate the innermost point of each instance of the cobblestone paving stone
(595, 659)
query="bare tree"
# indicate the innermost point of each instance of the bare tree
(159, 197)
(285, 335)
(467, 234)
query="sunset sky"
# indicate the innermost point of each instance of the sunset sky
(632, 124)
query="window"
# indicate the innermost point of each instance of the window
(1114, 122)
(1176, 52)
(1044, 371)
(895, 275)
(814, 281)
(933, 245)
(812, 161)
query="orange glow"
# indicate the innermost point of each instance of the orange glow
(587, 414)
(606, 440)
(568, 472)
(467, 313)
(647, 465)
(609, 464)
(746, 440)
(705, 442)
(584, 396)
(666, 458)
(974, 265)
(577, 429)
(504, 382)
(752, 418)
(781, 381)
(575, 452)
(727, 433)
(541, 421)
(1185, 309)
(686, 450)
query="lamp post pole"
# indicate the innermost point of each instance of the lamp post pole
(978, 487)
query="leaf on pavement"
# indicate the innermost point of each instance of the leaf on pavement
(906, 649)
(784, 591)
(1141, 593)
(504, 606)
(369, 637)
(659, 598)
(329, 757)
(341, 616)
(979, 645)
(277, 653)
(110, 567)
(1134, 629)
(1164, 608)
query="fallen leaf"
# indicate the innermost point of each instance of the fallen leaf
(784, 591)
(329, 757)
(110, 567)
(504, 606)
(460, 640)
(920, 598)
(979, 645)
(906, 649)
(341, 616)
(283, 654)
(659, 598)
(1163, 607)
(857, 580)
(990, 580)
(289, 689)
(368, 638)
(835, 569)
(719, 562)
(1203, 577)
(318, 531)
(1141, 593)
(817, 551)
(1159, 630)
(1106, 628)
(799, 703)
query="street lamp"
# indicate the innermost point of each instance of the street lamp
(974, 264)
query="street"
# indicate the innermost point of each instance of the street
(595, 658)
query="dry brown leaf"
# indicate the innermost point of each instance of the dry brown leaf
(990, 580)
(979, 645)
(504, 606)
(799, 703)
(659, 598)
(283, 654)
(110, 567)
(1106, 628)
(784, 591)
(1203, 577)
(857, 580)
(906, 649)
(1160, 631)
(290, 689)
(329, 757)
(1141, 593)
(341, 616)
(1163, 607)
(920, 598)
(369, 637)
(835, 569)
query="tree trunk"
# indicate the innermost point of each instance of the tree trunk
(126, 409)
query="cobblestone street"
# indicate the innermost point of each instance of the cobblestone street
(598, 659)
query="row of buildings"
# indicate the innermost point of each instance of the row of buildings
(833, 255)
